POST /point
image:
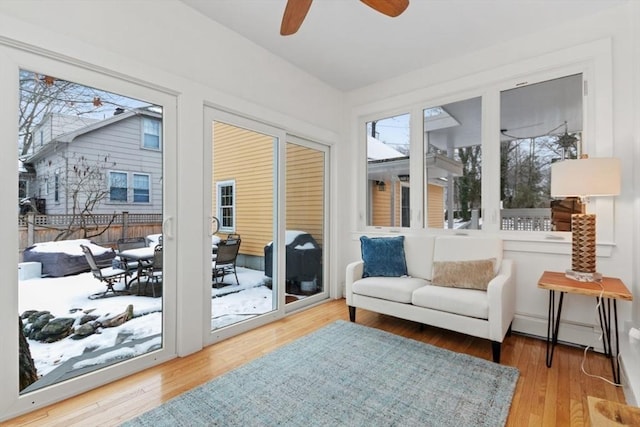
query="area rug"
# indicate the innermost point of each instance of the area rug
(346, 374)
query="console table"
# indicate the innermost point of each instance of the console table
(606, 292)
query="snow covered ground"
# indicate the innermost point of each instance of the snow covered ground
(68, 297)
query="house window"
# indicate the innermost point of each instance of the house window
(117, 186)
(151, 133)
(56, 187)
(22, 189)
(140, 188)
(226, 205)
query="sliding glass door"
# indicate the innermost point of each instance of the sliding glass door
(266, 215)
(243, 215)
(305, 239)
(91, 173)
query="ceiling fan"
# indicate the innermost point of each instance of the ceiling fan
(296, 10)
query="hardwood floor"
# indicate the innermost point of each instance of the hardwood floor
(544, 396)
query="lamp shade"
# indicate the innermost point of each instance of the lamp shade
(585, 177)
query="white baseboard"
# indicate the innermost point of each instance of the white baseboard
(630, 368)
(569, 332)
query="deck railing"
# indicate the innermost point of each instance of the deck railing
(526, 219)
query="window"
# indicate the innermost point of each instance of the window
(117, 186)
(56, 187)
(388, 161)
(22, 188)
(140, 188)
(151, 133)
(539, 124)
(453, 164)
(226, 205)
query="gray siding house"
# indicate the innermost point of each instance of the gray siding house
(104, 166)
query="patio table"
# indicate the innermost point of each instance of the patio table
(144, 258)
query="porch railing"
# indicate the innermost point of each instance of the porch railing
(526, 219)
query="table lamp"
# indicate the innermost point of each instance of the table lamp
(583, 178)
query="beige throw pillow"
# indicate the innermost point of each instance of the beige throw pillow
(474, 274)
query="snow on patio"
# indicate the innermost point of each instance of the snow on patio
(68, 297)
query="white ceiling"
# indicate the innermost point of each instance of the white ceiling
(348, 45)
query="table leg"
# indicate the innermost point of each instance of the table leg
(553, 325)
(605, 325)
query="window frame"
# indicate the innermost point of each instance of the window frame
(56, 187)
(219, 206)
(110, 187)
(592, 60)
(133, 187)
(143, 141)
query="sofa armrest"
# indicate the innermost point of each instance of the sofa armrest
(501, 293)
(354, 272)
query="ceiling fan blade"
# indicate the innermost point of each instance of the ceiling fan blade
(294, 14)
(391, 8)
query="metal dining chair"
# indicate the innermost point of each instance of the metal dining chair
(153, 273)
(109, 275)
(225, 259)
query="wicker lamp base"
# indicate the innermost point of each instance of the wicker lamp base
(583, 248)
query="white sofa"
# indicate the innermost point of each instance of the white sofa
(485, 314)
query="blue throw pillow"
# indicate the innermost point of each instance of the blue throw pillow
(383, 256)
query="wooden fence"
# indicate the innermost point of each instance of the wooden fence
(43, 228)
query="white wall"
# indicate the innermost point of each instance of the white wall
(483, 69)
(175, 52)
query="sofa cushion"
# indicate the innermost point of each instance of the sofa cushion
(399, 289)
(473, 274)
(383, 256)
(465, 302)
(418, 251)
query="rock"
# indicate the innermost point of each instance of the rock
(87, 318)
(84, 331)
(56, 329)
(40, 322)
(35, 315)
(27, 314)
(120, 318)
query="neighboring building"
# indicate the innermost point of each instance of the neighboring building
(389, 183)
(243, 188)
(117, 161)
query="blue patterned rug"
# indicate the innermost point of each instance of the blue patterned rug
(346, 374)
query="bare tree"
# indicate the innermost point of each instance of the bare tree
(86, 189)
(41, 94)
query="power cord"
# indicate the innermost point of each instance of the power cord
(584, 356)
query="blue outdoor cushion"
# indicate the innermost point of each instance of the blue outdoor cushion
(383, 256)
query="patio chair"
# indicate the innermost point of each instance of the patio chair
(127, 243)
(153, 273)
(224, 260)
(108, 275)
